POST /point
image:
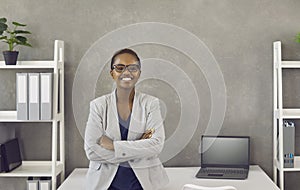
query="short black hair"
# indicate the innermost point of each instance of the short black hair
(122, 51)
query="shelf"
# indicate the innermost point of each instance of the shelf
(290, 64)
(295, 168)
(289, 114)
(29, 65)
(280, 113)
(34, 169)
(11, 116)
(54, 166)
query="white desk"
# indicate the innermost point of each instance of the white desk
(257, 179)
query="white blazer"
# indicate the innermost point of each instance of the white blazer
(142, 155)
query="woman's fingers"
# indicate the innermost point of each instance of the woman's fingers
(152, 130)
(148, 134)
(145, 136)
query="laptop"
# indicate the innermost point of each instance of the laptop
(224, 157)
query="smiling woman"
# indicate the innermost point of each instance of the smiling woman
(125, 133)
(125, 71)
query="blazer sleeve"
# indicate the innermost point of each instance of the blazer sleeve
(146, 147)
(94, 130)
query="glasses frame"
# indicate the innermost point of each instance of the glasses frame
(126, 67)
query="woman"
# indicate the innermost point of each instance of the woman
(125, 133)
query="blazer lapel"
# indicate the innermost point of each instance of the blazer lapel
(137, 121)
(113, 125)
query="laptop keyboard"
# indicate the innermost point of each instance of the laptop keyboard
(224, 171)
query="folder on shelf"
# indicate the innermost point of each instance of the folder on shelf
(34, 96)
(46, 96)
(32, 184)
(22, 100)
(288, 144)
(44, 184)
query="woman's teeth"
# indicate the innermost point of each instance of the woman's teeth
(126, 79)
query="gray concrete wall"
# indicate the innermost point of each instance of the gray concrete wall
(239, 33)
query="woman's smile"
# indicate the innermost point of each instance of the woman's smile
(126, 79)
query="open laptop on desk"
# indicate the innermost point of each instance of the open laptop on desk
(224, 157)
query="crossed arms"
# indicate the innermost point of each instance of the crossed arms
(101, 148)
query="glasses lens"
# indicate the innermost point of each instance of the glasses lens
(119, 67)
(133, 68)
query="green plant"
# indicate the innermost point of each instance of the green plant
(298, 37)
(13, 37)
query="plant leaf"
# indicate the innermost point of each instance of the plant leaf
(3, 27)
(3, 37)
(3, 20)
(21, 39)
(21, 32)
(18, 24)
(27, 44)
(8, 31)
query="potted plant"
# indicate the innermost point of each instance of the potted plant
(13, 37)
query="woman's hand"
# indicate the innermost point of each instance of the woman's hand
(148, 134)
(106, 143)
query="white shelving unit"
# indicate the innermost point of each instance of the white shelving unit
(53, 167)
(280, 113)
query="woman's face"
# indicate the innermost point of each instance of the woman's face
(126, 71)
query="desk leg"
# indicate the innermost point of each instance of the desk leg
(281, 176)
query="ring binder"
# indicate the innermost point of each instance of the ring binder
(46, 96)
(34, 96)
(22, 92)
(32, 184)
(45, 183)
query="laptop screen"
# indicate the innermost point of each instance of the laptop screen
(224, 151)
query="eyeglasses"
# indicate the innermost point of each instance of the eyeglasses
(131, 68)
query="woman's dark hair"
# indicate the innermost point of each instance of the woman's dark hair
(122, 51)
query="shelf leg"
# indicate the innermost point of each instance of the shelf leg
(275, 174)
(54, 153)
(62, 149)
(281, 176)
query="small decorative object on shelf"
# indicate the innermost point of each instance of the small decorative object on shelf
(10, 155)
(13, 37)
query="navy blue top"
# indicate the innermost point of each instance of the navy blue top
(125, 178)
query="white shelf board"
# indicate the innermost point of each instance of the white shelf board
(290, 64)
(289, 113)
(34, 169)
(11, 116)
(29, 65)
(295, 168)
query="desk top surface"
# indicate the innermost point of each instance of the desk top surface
(257, 179)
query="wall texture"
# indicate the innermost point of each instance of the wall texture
(239, 33)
